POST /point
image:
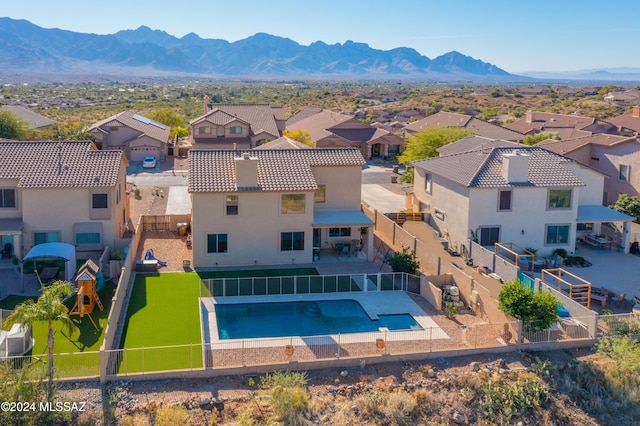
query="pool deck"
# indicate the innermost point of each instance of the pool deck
(374, 303)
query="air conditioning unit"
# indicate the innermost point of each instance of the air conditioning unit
(474, 297)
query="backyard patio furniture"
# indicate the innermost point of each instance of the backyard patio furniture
(7, 250)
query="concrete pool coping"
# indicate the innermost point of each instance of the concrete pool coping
(374, 303)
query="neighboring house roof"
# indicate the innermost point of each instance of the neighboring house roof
(283, 143)
(260, 117)
(301, 115)
(35, 120)
(327, 123)
(483, 168)
(567, 126)
(134, 121)
(474, 142)
(480, 127)
(278, 169)
(630, 120)
(566, 146)
(59, 164)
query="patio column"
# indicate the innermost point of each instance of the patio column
(626, 236)
(370, 237)
(17, 250)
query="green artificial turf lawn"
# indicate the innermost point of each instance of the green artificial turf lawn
(163, 311)
(83, 339)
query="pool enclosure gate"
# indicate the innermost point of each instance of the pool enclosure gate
(310, 284)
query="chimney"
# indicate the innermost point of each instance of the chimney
(246, 171)
(635, 113)
(206, 104)
(515, 167)
(529, 117)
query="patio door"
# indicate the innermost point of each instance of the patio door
(489, 236)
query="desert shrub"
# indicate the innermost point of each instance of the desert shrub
(404, 261)
(167, 415)
(623, 374)
(502, 400)
(399, 407)
(288, 395)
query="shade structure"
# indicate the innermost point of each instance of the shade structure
(57, 251)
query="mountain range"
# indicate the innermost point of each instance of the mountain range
(26, 48)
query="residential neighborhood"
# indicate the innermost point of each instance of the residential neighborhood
(256, 221)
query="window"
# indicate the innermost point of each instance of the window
(623, 173)
(339, 232)
(235, 130)
(557, 234)
(439, 214)
(292, 241)
(46, 237)
(7, 198)
(560, 199)
(99, 201)
(232, 205)
(585, 227)
(87, 238)
(427, 183)
(204, 130)
(319, 196)
(292, 203)
(217, 243)
(504, 202)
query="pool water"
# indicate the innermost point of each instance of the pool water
(310, 318)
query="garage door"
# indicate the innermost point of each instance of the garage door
(138, 154)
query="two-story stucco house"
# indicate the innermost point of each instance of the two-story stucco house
(275, 206)
(527, 196)
(615, 156)
(333, 130)
(133, 134)
(236, 126)
(61, 192)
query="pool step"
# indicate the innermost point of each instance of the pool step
(312, 310)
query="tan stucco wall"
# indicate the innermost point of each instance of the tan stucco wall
(253, 234)
(344, 186)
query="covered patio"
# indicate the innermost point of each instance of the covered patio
(55, 252)
(589, 228)
(342, 234)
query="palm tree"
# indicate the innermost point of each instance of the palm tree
(48, 307)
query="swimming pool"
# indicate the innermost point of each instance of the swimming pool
(302, 318)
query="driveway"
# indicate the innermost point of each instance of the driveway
(378, 191)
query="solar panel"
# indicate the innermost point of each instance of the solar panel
(145, 120)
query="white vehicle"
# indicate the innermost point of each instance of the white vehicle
(149, 162)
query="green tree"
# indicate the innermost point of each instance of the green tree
(49, 308)
(537, 311)
(408, 175)
(11, 126)
(628, 205)
(300, 135)
(66, 132)
(425, 143)
(170, 118)
(532, 140)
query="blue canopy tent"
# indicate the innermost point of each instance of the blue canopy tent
(53, 251)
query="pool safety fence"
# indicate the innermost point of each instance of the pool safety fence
(566, 329)
(627, 324)
(309, 284)
(234, 353)
(66, 365)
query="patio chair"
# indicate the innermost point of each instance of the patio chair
(7, 250)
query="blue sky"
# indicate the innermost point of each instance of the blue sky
(515, 35)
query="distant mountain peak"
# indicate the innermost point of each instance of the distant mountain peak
(145, 50)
